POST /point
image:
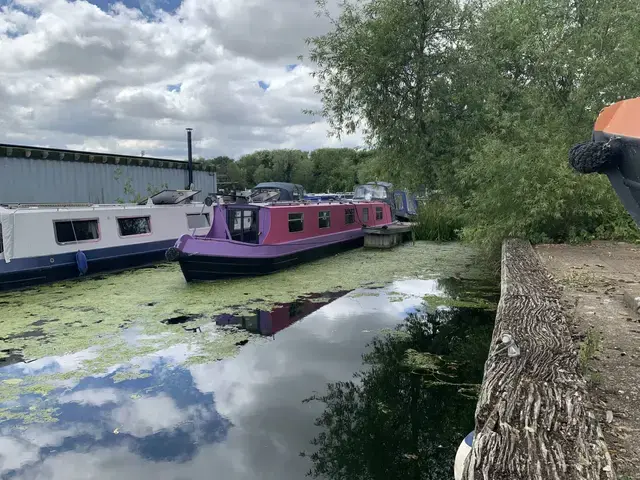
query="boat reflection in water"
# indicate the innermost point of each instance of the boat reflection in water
(270, 322)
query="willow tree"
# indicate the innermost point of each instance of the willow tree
(544, 69)
(386, 67)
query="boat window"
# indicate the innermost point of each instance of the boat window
(378, 213)
(242, 221)
(243, 225)
(195, 220)
(296, 222)
(237, 221)
(324, 219)
(365, 214)
(134, 226)
(1, 243)
(399, 201)
(73, 231)
(349, 215)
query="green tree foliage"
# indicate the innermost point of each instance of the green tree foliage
(545, 68)
(482, 100)
(335, 169)
(229, 173)
(276, 165)
(386, 67)
(325, 169)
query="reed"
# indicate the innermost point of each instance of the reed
(439, 219)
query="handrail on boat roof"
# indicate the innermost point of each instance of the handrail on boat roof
(17, 206)
(45, 205)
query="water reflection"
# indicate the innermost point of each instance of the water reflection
(405, 413)
(282, 316)
(244, 417)
(161, 417)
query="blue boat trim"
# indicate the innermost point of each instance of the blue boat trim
(469, 438)
(25, 272)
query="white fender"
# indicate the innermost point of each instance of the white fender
(463, 451)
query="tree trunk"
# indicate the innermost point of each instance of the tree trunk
(533, 419)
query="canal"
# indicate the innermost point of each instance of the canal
(360, 366)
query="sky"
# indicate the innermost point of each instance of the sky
(130, 76)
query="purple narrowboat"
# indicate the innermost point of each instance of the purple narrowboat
(249, 239)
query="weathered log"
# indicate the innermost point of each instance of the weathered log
(533, 419)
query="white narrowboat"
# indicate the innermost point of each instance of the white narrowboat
(46, 243)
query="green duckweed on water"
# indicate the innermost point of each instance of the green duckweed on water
(33, 415)
(74, 315)
(435, 300)
(95, 313)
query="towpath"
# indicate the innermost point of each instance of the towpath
(600, 284)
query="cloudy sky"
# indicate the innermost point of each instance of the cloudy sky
(130, 76)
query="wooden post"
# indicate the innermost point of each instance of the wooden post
(533, 419)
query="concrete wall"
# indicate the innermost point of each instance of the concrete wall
(38, 180)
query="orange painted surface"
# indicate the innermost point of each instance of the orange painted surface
(621, 118)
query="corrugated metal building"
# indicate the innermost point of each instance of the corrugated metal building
(48, 175)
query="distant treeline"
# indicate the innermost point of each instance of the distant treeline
(322, 170)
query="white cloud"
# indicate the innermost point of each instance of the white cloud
(94, 397)
(15, 453)
(77, 76)
(148, 415)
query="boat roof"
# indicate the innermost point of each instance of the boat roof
(622, 119)
(83, 207)
(166, 197)
(330, 203)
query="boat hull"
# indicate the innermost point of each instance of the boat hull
(28, 272)
(196, 267)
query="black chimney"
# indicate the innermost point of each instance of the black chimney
(189, 158)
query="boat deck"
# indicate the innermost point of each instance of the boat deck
(388, 236)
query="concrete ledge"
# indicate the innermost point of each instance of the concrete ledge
(533, 419)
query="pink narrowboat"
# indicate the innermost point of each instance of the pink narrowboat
(247, 239)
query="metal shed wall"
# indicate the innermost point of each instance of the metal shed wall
(36, 180)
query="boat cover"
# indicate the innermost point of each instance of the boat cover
(288, 191)
(170, 197)
(6, 220)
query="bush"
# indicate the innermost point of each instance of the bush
(528, 190)
(439, 219)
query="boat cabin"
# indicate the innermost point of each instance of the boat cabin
(49, 242)
(285, 222)
(402, 203)
(260, 238)
(373, 191)
(405, 205)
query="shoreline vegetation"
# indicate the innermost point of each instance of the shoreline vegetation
(479, 101)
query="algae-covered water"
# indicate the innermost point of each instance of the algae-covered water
(142, 375)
